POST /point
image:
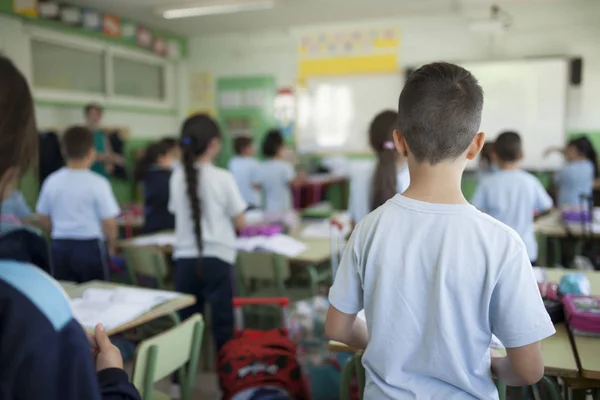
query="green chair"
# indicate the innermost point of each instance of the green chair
(146, 261)
(261, 274)
(177, 349)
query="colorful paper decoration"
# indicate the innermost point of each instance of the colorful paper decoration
(48, 10)
(28, 8)
(71, 15)
(160, 46)
(92, 20)
(144, 37)
(129, 30)
(174, 49)
(111, 26)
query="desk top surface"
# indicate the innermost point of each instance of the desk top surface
(74, 290)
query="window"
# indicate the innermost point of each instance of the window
(138, 79)
(67, 68)
(72, 69)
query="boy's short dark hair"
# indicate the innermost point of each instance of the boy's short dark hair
(92, 106)
(272, 142)
(508, 147)
(77, 142)
(439, 111)
(241, 143)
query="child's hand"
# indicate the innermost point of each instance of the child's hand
(106, 355)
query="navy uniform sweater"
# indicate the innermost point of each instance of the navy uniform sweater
(44, 352)
(156, 201)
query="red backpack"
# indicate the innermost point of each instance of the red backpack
(261, 358)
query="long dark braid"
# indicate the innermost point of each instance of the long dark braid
(384, 185)
(197, 133)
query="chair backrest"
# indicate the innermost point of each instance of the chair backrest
(147, 261)
(262, 266)
(163, 354)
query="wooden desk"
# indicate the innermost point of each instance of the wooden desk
(183, 301)
(551, 225)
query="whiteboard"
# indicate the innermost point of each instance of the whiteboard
(333, 114)
(529, 97)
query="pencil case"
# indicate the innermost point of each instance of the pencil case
(583, 314)
(549, 290)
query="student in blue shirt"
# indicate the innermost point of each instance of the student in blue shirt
(79, 208)
(208, 208)
(277, 176)
(246, 169)
(44, 352)
(373, 185)
(576, 178)
(14, 212)
(435, 276)
(487, 162)
(511, 195)
(154, 171)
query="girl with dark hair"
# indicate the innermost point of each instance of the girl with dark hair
(371, 186)
(576, 178)
(277, 176)
(487, 164)
(154, 171)
(208, 207)
(45, 352)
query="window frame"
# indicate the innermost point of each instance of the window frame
(108, 52)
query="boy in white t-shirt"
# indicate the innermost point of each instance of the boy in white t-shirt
(435, 276)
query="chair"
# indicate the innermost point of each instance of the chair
(146, 261)
(177, 349)
(261, 274)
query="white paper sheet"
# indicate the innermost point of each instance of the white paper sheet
(159, 239)
(115, 307)
(278, 244)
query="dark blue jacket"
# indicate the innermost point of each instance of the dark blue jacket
(156, 201)
(44, 352)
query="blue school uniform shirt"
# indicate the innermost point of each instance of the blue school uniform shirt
(361, 180)
(435, 282)
(513, 197)
(574, 179)
(275, 178)
(246, 172)
(15, 205)
(77, 201)
(44, 353)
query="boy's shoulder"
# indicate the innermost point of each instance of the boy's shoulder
(471, 219)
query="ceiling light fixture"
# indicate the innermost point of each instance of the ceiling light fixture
(215, 9)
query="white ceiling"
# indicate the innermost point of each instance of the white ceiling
(289, 12)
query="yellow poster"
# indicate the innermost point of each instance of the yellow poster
(25, 7)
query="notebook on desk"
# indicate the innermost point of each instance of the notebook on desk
(115, 307)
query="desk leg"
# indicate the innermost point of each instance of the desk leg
(314, 280)
(557, 250)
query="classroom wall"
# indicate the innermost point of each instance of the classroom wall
(568, 29)
(141, 123)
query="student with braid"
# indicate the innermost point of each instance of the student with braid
(208, 207)
(373, 186)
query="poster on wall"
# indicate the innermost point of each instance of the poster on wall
(71, 16)
(144, 37)
(129, 31)
(25, 7)
(92, 20)
(111, 26)
(48, 10)
(159, 46)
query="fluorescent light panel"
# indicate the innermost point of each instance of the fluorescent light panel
(215, 9)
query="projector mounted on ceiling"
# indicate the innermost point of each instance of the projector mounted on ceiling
(499, 22)
(203, 8)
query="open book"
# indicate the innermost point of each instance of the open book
(116, 307)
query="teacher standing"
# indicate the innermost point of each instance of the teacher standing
(106, 159)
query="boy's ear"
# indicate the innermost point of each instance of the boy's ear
(400, 143)
(476, 146)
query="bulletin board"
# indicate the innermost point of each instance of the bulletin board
(245, 107)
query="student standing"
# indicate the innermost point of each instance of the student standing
(208, 207)
(14, 212)
(435, 276)
(373, 185)
(511, 195)
(154, 171)
(576, 178)
(487, 162)
(106, 159)
(246, 169)
(44, 351)
(79, 208)
(277, 176)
